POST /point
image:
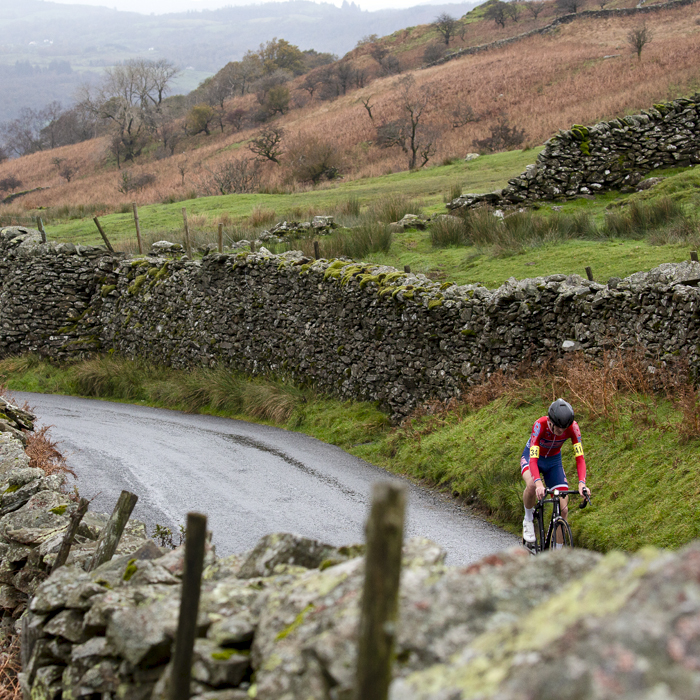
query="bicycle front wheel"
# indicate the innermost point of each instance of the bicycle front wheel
(561, 533)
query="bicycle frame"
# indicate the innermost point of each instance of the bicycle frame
(544, 541)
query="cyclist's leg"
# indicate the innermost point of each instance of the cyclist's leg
(529, 497)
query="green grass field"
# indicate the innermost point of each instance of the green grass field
(607, 255)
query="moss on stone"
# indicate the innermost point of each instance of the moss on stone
(59, 510)
(107, 289)
(298, 620)
(137, 284)
(12, 488)
(130, 570)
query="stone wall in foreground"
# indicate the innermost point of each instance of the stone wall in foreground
(356, 331)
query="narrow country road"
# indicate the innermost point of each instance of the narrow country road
(248, 479)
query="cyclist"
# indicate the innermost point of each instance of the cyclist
(542, 458)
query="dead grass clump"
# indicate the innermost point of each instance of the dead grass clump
(688, 401)
(44, 454)
(9, 668)
(261, 216)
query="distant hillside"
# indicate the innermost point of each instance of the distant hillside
(37, 35)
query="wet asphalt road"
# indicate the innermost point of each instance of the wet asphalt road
(248, 479)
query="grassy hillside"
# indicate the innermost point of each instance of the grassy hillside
(581, 72)
(640, 447)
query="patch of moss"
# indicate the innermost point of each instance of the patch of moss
(137, 284)
(59, 510)
(226, 654)
(130, 570)
(12, 488)
(298, 620)
(107, 289)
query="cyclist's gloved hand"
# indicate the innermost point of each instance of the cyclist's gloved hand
(539, 489)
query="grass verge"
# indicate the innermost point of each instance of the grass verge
(641, 440)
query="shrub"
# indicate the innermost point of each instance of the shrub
(433, 52)
(350, 206)
(234, 176)
(128, 182)
(312, 159)
(10, 183)
(503, 137)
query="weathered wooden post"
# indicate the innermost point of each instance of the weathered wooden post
(380, 597)
(317, 250)
(252, 246)
(189, 606)
(221, 238)
(112, 533)
(694, 255)
(407, 269)
(40, 226)
(103, 234)
(188, 245)
(138, 228)
(73, 525)
(589, 273)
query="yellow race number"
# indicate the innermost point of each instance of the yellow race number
(535, 452)
(578, 449)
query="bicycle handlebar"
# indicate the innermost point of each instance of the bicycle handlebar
(568, 492)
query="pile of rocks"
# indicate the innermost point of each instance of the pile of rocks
(281, 623)
(34, 514)
(612, 155)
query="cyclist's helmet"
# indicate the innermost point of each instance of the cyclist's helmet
(561, 413)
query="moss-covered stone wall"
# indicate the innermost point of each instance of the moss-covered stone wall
(356, 331)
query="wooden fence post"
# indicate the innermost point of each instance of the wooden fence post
(252, 246)
(40, 226)
(380, 597)
(589, 273)
(112, 533)
(138, 228)
(188, 245)
(189, 606)
(73, 525)
(694, 255)
(221, 238)
(317, 250)
(407, 269)
(103, 234)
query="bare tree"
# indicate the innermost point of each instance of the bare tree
(497, 12)
(512, 11)
(234, 176)
(463, 114)
(410, 132)
(638, 38)
(129, 99)
(446, 26)
(569, 6)
(267, 145)
(366, 104)
(534, 7)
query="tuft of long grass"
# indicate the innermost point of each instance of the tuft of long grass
(356, 243)
(641, 218)
(392, 208)
(448, 230)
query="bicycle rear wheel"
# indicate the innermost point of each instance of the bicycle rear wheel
(561, 532)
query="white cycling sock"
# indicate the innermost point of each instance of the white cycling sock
(529, 514)
(558, 545)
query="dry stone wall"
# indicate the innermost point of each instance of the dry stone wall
(612, 155)
(356, 331)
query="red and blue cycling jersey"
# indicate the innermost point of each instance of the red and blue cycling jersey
(543, 443)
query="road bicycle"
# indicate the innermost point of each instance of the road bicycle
(557, 524)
